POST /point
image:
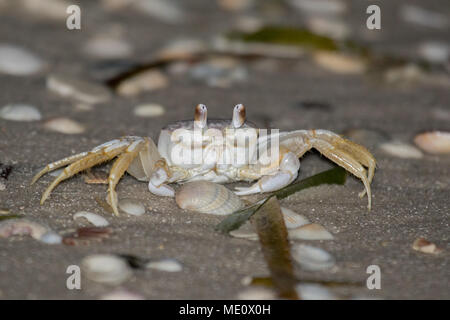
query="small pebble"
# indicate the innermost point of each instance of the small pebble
(312, 258)
(122, 294)
(434, 142)
(64, 125)
(312, 231)
(93, 218)
(312, 291)
(401, 150)
(169, 265)
(131, 206)
(20, 112)
(149, 110)
(108, 47)
(17, 61)
(425, 246)
(82, 90)
(149, 80)
(106, 268)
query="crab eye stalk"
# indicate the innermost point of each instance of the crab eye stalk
(238, 116)
(200, 116)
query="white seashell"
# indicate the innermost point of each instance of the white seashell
(312, 291)
(401, 150)
(164, 10)
(292, 219)
(144, 81)
(82, 90)
(149, 110)
(16, 61)
(93, 218)
(20, 112)
(39, 232)
(51, 237)
(121, 294)
(435, 142)
(207, 197)
(435, 52)
(169, 265)
(312, 231)
(106, 268)
(64, 125)
(257, 293)
(108, 47)
(312, 258)
(132, 207)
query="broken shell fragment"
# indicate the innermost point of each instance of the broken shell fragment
(312, 258)
(425, 246)
(401, 150)
(132, 207)
(434, 142)
(207, 197)
(168, 265)
(311, 231)
(292, 219)
(93, 218)
(106, 268)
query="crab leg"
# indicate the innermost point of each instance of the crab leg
(58, 164)
(118, 169)
(91, 159)
(288, 172)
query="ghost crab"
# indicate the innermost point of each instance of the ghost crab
(141, 158)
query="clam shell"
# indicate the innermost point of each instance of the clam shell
(106, 268)
(93, 218)
(435, 142)
(312, 258)
(208, 197)
(311, 231)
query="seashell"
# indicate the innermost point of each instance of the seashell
(425, 246)
(132, 207)
(401, 150)
(20, 112)
(320, 7)
(207, 197)
(339, 63)
(166, 11)
(292, 219)
(64, 125)
(80, 89)
(169, 265)
(312, 258)
(17, 61)
(107, 47)
(149, 110)
(106, 268)
(435, 142)
(148, 80)
(121, 294)
(435, 52)
(93, 218)
(311, 231)
(312, 291)
(39, 232)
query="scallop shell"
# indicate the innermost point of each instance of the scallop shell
(208, 197)
(435, 142)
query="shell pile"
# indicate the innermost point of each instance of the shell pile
(208, 197)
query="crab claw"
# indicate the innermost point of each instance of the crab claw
(200, 116)
(238, 116)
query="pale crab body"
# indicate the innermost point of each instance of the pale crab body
(219, 151)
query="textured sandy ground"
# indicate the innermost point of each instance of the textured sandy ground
(411, 196)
